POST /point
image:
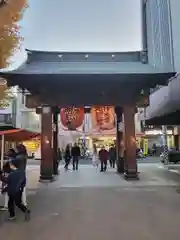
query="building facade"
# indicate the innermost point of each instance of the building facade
(163, 44)
(26, 118)
(7, 115)
(159, 33)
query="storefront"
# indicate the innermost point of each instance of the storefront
(32, 146)
(155, 136)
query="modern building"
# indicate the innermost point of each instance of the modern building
(161, 19)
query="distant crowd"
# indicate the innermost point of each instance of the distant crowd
(99, 157)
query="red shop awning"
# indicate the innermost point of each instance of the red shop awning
(18, 135)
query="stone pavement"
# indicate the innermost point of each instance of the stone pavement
(100, 206)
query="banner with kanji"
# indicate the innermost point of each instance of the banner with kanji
(103, 118)
(72, 118)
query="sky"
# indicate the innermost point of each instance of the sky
(81, 25)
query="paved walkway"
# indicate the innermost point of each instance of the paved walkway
(101, 206)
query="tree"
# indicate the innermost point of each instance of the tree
(9, 43)
(10, 13)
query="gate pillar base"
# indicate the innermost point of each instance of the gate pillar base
(120, 165)
(46, 174)
(45, 178)
(131, 175)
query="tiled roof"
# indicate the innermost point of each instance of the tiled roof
(84, 63)
(86, 68)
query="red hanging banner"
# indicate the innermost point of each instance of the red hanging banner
(72, 117)
(103, 117)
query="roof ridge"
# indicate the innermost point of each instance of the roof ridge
(79, 52)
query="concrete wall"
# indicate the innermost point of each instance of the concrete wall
(164, 100)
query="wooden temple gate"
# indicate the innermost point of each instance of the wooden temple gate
(87, 79)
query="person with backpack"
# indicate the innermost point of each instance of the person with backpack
(16, 181)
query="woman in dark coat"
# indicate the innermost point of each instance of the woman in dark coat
(67, 157)
(21, 156)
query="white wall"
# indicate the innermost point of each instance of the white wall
(26, 118)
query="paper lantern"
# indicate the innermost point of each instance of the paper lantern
(72, 117)
(103, 117)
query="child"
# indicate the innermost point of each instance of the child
(16, 181)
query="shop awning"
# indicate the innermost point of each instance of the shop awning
(18, 135)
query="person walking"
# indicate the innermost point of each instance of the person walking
(75, 153)
(21, 156)
(103, 156)
(11, 154)
(16, 181)
(95, 156)
(67, 157)
(112, 156)
(154, 149)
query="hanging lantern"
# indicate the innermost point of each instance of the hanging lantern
(72, 117)
(103, 117)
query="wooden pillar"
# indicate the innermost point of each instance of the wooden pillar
(130, 143)
(55, 141)
(119, 136)
(46, 171)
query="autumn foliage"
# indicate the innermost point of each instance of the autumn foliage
(10, 13)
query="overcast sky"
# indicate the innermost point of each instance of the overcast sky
(81, 25)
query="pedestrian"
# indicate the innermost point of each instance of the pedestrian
(103, 156)
(59, 155)
(112, 156)
(76, 153)
(11, 154)
(154, 149)
(95, 156)
(16, 181)
(67, 157)
(21, 156)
